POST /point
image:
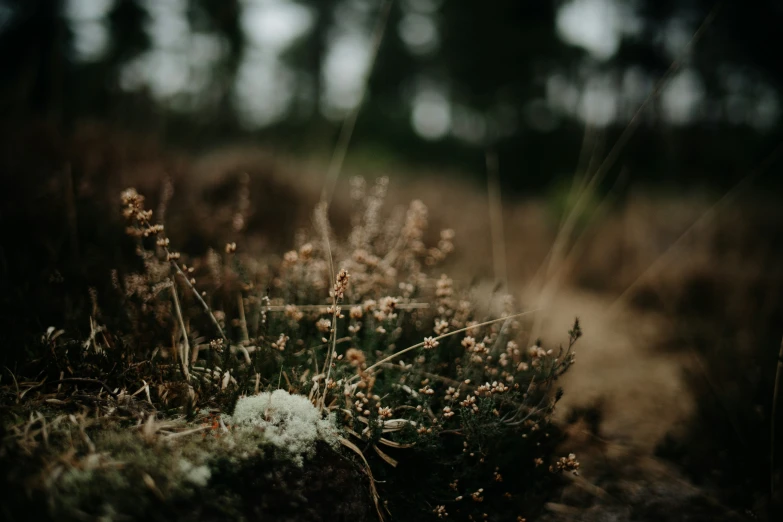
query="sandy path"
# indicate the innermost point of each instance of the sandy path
(642, 392)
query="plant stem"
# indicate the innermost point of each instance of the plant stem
(185, 353)
(772, 421)
(448, 334)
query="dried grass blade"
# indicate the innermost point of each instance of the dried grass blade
(373, 490)
(438, 338)
(390, 461)
(392, 444)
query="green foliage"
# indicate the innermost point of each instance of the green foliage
(566, 202)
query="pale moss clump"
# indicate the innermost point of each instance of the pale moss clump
(287, 421)
(196, 475)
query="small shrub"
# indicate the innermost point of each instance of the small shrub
(357, 342)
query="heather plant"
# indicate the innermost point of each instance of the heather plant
(359, 343)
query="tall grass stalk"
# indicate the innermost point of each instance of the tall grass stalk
(346, 130)
(773, 420)
(496, 220)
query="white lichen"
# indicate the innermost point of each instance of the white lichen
(196, 475)
(289, 422)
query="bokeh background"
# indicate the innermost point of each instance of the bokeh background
(451, 78)
(634, 179)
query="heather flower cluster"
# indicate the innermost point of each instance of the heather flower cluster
(365, 341)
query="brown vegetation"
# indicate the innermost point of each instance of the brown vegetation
(680, 298)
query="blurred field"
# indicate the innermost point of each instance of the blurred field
(680, 294)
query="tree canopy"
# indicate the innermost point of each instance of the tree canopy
(451, 78)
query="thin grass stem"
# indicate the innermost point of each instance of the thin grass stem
(438, 338)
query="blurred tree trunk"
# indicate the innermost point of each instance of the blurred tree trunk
(32, 48)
